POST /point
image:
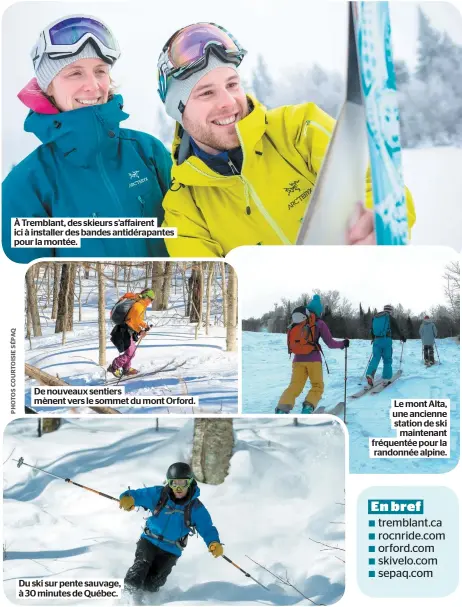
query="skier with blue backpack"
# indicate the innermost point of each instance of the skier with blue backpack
(384, 328)
(176, 513)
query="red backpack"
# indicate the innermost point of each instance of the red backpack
(301, 337)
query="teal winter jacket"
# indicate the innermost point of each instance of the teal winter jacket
(88, 166)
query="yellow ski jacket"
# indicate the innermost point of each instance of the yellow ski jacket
(283, 150)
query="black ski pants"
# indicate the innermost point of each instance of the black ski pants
(151, 568)
(429, 354)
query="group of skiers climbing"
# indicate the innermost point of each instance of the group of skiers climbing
(303, 336)
(128, 316)
(176, 513)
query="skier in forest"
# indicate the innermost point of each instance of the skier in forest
(303, 341)
(128, 315)
(242, 174)
(428, 332)
(176, 513)
(384, 329)
(87, 166)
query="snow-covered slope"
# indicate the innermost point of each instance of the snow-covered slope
(285, 486)
(266, 374)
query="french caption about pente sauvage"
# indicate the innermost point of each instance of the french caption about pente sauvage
(422, 427)
(38, 588)
(67, 232)
(87, 396)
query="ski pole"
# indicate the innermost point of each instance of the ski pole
(21, 462)
(244, 572)
(437, 353)
(402, 350)
(344, 392)
(362, 376)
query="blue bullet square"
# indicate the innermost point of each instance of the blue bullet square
(371, 523)
(371, 573)
(372, 536)
(371, 548)
(371, 561)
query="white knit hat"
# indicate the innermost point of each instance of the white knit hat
(179, 90)
(49, 68)
(388, 308)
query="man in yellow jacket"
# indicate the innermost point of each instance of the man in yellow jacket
(242, 174)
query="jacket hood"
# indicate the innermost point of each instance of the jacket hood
(190, 170)
(32, 96)
(79, 134)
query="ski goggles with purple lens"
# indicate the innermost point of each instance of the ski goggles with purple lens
(188, 50)
(66, 38)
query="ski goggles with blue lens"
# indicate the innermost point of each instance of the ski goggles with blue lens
(66, 38)
(182, 483)
(188, 50)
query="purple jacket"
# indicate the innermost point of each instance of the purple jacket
(322, 331)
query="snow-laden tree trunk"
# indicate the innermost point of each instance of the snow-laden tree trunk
(211, 267)
(223, 294)
(147, 272)
(28, 324)
(64, 320)
(101, 315)
(167, 283)
(47, 276)
(116, 279)
(231, 325)
(157, 279)
(32, 303)
(201, 299)
(195, 282)
(213, 444)
(50, 424)
(56, 281)
(79, 272)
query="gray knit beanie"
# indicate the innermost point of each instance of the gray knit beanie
(179, 90)
(49, 68)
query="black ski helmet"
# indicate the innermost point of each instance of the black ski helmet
(179, 470)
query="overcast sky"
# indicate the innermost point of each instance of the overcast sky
(293, 34)
(373, 276)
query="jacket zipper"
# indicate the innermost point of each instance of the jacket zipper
(142, 205)
(110, 188)
(258, 202)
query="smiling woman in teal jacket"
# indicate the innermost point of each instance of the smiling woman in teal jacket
(87, 166)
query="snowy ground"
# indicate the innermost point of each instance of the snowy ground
(199, 367)
(285, 486)
(266, 373)
(434, 178)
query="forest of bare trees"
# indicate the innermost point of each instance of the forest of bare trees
(57, 291)
(344, 320)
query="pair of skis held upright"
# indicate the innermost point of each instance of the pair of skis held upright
(366, 135)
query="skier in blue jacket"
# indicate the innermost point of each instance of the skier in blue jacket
(176, 513)
(87, 166)
(384, 328)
